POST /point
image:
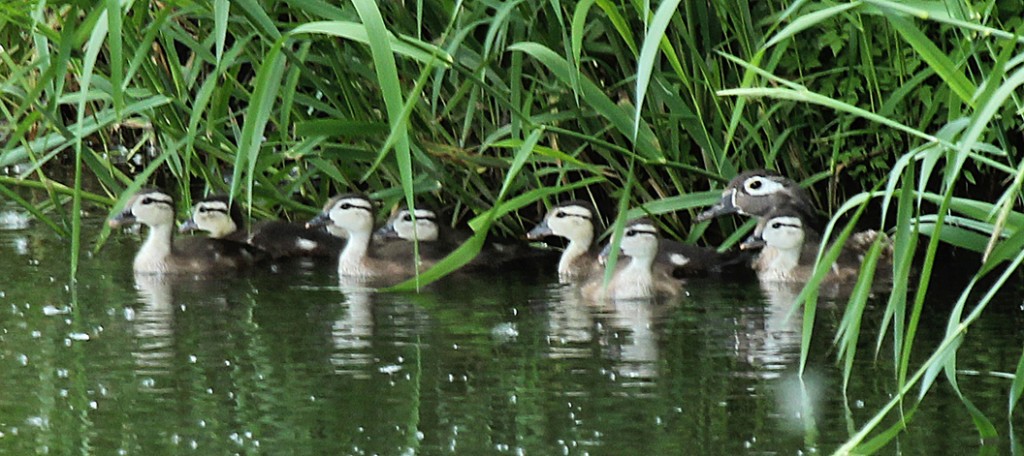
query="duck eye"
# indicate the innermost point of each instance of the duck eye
(630, 233)
(346, 206)
(560, 214)
(147, 201)
(777, 225)
(755, 184)
(407, 218)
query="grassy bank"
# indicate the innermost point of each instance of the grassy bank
(905, 116)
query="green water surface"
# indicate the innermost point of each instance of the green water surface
(287, 360)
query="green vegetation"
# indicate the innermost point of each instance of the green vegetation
(907, 114)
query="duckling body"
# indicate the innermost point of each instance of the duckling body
(789, 251)
(635, 278)
(222, 220)
(353, 213)
(159, 255)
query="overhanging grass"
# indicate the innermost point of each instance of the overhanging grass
(497, 111)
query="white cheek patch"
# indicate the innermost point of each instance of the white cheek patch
(306, 245)
(784, 233)
(678, 259)
(766, 187)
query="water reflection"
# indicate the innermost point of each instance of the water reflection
(622, 328)
(352, 333)
(768, 336)
(630, 338)
(153, 324)
(570, 322)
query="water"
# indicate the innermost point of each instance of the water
(288, 361)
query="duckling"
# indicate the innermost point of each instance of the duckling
(158, 255)
(353, 213)
(434, 244)
(789, 250)
(222, 220)
(574, 220)
(637, 278)
(756, 193)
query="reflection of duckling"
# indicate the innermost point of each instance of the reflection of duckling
(158, 254)
(788, 251)
(216, 216)
(757, 193)
(353, 213)
(636, 279)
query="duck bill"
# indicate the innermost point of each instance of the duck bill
(752, 243)
(188, 227)
(539, 231)
(386, 232)
(724, 206)
(602, 258)
(124, 218)
(322, 219)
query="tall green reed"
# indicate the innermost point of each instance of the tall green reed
(498, 109)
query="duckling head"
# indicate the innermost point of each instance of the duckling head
(639, 241)
(403, 225)
(573, 220)
(214, 215)
(784, 233)
(757, 193)
(352, 213)
(150, 207)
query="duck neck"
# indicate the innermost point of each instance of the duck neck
(784, 261)
(155, 250)
(577, 247)
(350, 262)
(638, 269)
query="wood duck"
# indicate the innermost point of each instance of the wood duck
(574, 220)
(789, 250)
(353, 213)
(636, 277)
(436, 241)
(402, 228)
(757, 193)
(222, 220)
(159, 255)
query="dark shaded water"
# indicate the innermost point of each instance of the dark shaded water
(286, 361)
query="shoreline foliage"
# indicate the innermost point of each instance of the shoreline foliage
(900, 115)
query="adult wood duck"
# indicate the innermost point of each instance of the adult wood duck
(353, 213)
(635, 277)
(222, 220)
(160, 255)
(757, 193)
(574, 221)
(789, 250)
